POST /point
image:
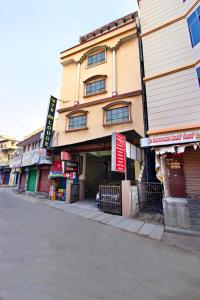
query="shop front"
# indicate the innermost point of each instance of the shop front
(32, 177)
(178, 168)
(5, 175)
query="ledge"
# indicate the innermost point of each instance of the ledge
(101, 101)
(94, 94)
(117, 123)
(76, 129)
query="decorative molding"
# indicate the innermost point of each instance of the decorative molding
(95, 44)
(172, 129)
(176, 70)
(101, 101)
(77, 111)
(125, 103)
(93, 78)
(177, 19)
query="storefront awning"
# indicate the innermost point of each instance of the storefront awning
(174, 148)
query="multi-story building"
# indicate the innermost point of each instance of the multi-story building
(171, 47)
(35, 164)
(7, 149)
(101, 93)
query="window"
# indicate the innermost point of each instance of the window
(77, 122)
(198, 74)
(117, 115)
(96, 59)
(194, 27)
(95, 87)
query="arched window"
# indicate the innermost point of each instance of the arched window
(76, 120)
(95, 85)
(117, 113)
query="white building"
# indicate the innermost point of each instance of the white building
(171, 47)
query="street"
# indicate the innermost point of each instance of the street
(46, 254)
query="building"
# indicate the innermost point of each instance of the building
(101, 93)
(171, 48)
(7, 149)
(35, 164)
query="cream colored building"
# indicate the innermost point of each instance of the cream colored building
(101, 93)
(171, 46)
(7, 149)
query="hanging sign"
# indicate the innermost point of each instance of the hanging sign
(118, 152)
(49, 123)
(70, 166)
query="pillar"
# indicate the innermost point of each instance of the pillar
(126, 198)
(82, 179)
(78, 82)
(114, 73)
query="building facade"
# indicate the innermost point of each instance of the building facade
(34, 164)
(7, 149)
(101, 93)
(171, 47)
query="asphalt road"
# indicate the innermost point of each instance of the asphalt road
(46, 254)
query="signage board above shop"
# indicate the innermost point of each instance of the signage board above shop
(48, 130)
(70, 166)
(171, 138)
(118, 153)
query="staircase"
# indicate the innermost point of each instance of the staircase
(194, 210)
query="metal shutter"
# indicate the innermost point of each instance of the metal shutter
(32, 180)
(44, 183)
(22, 181)
(192, 172)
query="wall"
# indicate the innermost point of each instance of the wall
(124, 40)
(170, 72)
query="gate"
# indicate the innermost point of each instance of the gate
(150, 195)
(74, 193)
(110, 199)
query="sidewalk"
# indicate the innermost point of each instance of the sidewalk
(152, 231)
(145, 229)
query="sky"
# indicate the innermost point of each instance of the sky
(32, 35)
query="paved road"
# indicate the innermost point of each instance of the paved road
(46, 254)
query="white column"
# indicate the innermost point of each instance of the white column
(78, 82)
(114, 73)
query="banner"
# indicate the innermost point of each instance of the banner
(118, 153)
(49, 123)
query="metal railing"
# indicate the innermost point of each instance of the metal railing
(150, 195)
(110, 199)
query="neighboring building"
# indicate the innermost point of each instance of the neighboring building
(7, 149)
(101, 93)
(35, 164)
(171, 48)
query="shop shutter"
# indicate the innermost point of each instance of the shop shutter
(192, 172)
(44, 182)
(6, 177)
(22, 181)
(32, 180)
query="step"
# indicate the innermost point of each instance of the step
(195, 221)
(196, 228)
(194, 207)
(194, 214)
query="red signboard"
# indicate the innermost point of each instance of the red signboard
(118, 152)
(66, 155)
(56, 167)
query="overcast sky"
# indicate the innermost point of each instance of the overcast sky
(32, 34)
